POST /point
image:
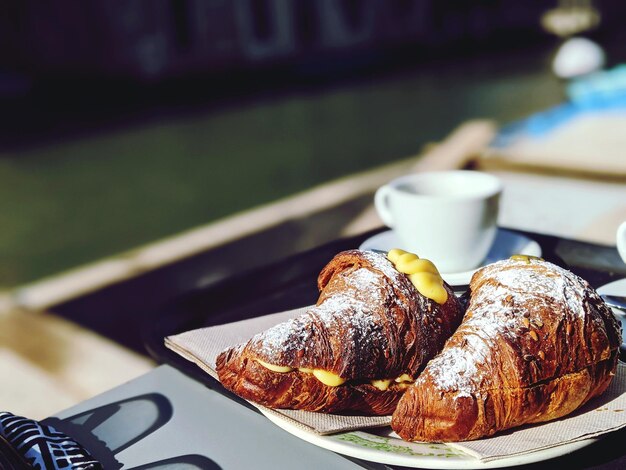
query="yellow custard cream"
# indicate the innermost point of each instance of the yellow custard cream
(274, 367)
(327, 378)
(403, 381)
(333, 380)
(404, 378)
(525, 258)
(422, 272)
(382, 384)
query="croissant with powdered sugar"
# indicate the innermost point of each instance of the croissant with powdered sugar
(367, 338)
(535, 344)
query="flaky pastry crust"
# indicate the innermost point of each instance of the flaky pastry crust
(370, 323)
(535, 344)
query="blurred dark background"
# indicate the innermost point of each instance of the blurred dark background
(126, 121)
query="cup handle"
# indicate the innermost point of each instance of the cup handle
(381, 202)
(621, 240)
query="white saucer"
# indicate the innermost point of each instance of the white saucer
(507, 243)
(616, 288)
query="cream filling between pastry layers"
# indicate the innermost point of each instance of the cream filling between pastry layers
(333, 380)
(328, 378)
(383, 384)
(274, 367)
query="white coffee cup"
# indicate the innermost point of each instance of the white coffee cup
(621, 240)
(448, 217)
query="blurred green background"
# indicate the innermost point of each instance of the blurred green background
(126, 122)
(67, 203)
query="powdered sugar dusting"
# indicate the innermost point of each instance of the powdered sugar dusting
(283, 336)
(382, 264)
(456, 368)
(552, 283)
(350, 313)
(496, 316)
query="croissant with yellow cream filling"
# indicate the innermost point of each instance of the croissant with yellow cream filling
(367, 338)
(535, 344)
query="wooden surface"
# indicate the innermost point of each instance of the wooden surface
(588, 145)
(49, 363)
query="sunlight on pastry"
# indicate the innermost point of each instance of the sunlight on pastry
(423, 274)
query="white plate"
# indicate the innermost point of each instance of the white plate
(507, 243)
(383, 446)
(616, 288)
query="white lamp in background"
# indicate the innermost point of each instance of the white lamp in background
(576, 56)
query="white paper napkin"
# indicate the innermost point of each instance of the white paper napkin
(602, 415)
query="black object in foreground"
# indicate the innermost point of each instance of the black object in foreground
(43, 447)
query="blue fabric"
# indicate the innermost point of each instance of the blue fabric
(537, 125)
(43, 447)
(600, 92)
